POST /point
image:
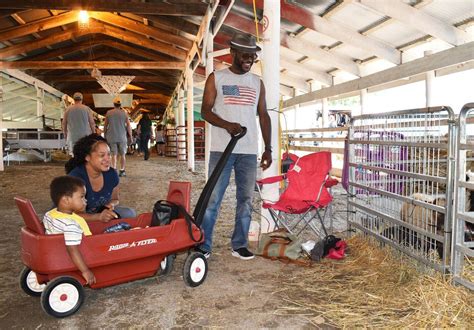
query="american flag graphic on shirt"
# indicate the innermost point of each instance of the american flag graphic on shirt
(239, 95)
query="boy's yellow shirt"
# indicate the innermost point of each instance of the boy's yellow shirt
(80, 220)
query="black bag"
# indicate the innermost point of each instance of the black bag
(321, 248)
(165, 211)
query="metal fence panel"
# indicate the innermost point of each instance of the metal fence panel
(400, 170)
(463, 222)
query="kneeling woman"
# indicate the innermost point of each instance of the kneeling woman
(91, 163)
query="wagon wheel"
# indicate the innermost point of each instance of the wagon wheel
(195, 269)
(29, 283)
(166, 265)
(62, 297)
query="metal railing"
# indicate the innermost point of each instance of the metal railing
(401, 166)
(463, 220)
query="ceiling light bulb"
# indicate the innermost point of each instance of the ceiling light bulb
(83, 16)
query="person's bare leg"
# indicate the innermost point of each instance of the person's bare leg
(122, 162)
(114, 161)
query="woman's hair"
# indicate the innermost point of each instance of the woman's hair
(82, 149)
(64, 186)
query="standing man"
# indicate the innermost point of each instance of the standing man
(77, 122)
(117, 129)
(233, 98)
(144, 127)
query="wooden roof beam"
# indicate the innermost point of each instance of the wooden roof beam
(136, 65)
(84, 78)
(162, 100)
(94, 27)
(140, 28)
(138, 39)
(188, 28)
(28, 46)
(38, 26)
(167, 9)
(418, 20)
(62, 51)
(133, 50)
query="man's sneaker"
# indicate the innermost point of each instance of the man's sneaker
(122, 173)
(243, 253)
(206, 254)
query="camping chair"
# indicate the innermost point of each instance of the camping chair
(306, 198)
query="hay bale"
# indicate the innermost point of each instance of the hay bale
(59, 156)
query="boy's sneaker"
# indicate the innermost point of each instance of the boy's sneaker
(206, 254)
(243, 253)
(122, 173)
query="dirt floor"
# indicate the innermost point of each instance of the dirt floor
(236, 294)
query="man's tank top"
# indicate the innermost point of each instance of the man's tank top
(117, 126)
(78, 122)
(236, 101)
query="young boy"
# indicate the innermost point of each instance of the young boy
(68, 194)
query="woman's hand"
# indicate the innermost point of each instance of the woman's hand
(106, 215)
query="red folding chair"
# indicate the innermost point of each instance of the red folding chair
(306, 198)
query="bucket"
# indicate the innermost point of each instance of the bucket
(254, 231)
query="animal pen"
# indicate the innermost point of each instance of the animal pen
(405, 168)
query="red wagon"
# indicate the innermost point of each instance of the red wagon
(118, 257)
(114, 258)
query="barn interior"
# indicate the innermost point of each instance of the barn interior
(404, 164)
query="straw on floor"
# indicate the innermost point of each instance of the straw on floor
(375, 287)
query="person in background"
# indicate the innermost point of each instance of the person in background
(78, 121)
(117, 130)
(144, 127)
(91, 163)
(233, 98)
(68, 195)
(160, 140)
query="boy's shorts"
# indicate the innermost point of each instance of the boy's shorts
(119, 148)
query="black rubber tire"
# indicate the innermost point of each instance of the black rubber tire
(29, 284)
(167, 265)
(62, 288)
(195, 269)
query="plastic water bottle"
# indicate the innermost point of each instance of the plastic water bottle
(118, 227)
(254, 231)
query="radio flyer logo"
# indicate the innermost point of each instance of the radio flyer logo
(133, 244)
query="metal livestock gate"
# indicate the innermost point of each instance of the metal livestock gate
(401, 165)
(462, 253)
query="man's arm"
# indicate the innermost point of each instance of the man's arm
(265, 127)
(76, 257)
(106, 125)
(208, 100)
(129, 128)
(64, 124)
(91, 120)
